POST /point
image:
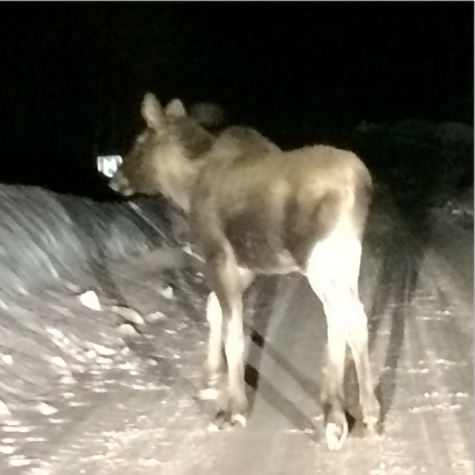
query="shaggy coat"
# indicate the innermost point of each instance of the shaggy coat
(255, 209)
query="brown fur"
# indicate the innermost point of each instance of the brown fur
(273, 205)
(256, 209)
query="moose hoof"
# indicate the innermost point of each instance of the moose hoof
(373, 428)
(226, 419)
(336, 433)
(238, 419)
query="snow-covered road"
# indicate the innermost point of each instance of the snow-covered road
(114, 391)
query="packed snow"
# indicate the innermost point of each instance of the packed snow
(103, 335)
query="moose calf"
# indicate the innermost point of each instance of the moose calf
(255, 209)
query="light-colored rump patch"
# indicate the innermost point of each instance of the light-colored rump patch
(332, 272)
(336, 258)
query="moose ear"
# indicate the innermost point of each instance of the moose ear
(152, 110)
(175, 109)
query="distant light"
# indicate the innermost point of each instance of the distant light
(108, 164)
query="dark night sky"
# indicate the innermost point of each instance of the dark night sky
(268, 62)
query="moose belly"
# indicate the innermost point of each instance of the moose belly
(260, 249)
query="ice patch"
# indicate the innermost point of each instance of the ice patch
(39, 471)
(127, 365)
(19, 429)
(58, 361)
(126, 329)
(105, 362)
(90, 300)
(35, 439)
(53, 420)
(7, 359)
(462, 395)
(446, 363)
(19, 461)
(155, 316)
(417, 370)
(444, 406)
(72, 287)
(12, 422)
(46, 409)
(7, 449)
(78, 404)
(149, 462)
(140, 387)
(4, 411)
(167, 293)
(67, 379)
(128, 314)
(102, 350)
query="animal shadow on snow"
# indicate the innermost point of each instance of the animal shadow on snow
(190, 296)
(399, 255)
(261, 296)
(190, 293)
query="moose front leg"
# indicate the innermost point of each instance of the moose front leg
(233, 335)
(226, 331)
(214, 365)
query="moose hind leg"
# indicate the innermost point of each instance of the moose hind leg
(333, 271)
(326, 276)
(336, 425)
(358, 342)
(358, 333)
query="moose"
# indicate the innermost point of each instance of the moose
(255, 209)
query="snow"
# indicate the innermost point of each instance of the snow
(449, 144)
(461, 205)
(90, 300)
(443, 134)
(112, 387)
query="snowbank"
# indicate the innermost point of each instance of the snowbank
(58, 352)
(426, 161)
(461, 205)
(445, 134)
(423, 133)
(47, 236)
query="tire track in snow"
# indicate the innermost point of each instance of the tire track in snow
(450, 360)
(426, 341)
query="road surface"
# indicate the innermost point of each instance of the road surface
(123, 400)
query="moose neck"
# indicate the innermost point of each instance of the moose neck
(180, 181)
